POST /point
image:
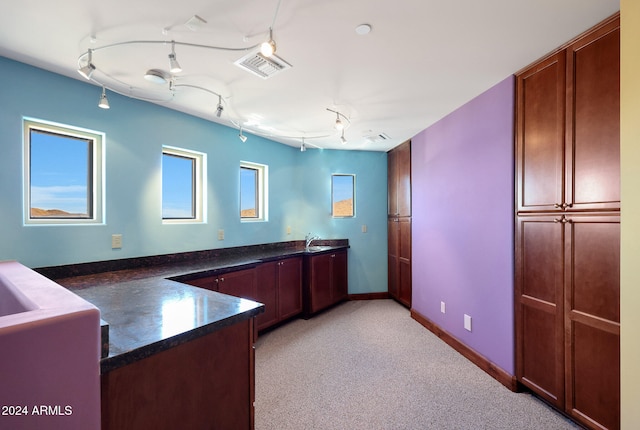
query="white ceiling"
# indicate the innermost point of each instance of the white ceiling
(422, 59)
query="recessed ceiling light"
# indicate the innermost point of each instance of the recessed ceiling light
(156, 76)
(363, 29)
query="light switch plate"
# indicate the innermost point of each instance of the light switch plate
(116, 241)
(220, 234)
(467, 322)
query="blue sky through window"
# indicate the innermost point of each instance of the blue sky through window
(178, 186)
(60, 172)
(248, 190)
(342, 187)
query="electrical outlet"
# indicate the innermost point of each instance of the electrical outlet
(442, 307)
(116, 241)
(364, 228)
(467, 322)
(220, 234)
(288, 229)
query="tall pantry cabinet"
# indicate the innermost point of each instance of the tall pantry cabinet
(567, 298)
(399, 222)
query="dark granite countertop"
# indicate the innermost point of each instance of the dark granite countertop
(148, 312)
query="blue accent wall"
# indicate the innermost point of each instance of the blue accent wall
(299, 183)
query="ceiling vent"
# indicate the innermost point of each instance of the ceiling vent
(375, 138)
(262, 66)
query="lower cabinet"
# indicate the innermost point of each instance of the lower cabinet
(399, 259)
(276, 284)
(568, 313)
(326, 281)
(240, 283)
(279, 288)
(207, 382)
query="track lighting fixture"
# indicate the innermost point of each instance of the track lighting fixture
(339, 124)
(174, 66)
(89, 68)
(268, 48)
(220, 108)
(342, 138)
(241, 136)
(103, 103)
(303, 147)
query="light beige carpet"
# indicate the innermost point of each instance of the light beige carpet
(368, 365)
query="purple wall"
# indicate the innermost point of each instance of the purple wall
(462, 223)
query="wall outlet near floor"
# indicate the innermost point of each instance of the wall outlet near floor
(443, 308)
(364, 228)
(116, 241)
(288, 229)
(467, 322)
(220, 234)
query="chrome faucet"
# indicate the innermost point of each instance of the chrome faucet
(310, 238)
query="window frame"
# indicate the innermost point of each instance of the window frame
(262, 191)
(198, 181)
(95, 177)
(353, 195)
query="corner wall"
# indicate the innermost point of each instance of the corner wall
(463, 216)
(630, 214)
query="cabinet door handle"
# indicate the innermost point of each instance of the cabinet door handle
(221, 279)
(562, 205)
(562, 219)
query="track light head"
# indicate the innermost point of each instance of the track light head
(219, 108)
(174, 66)
(342, 138)
(339, 124)
(241, 136)
(268, 48)
(89, 68)
(303, 146)
(104, 102)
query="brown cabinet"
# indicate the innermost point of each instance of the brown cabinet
(207, 382)
(280, 289)
(567, 241)
(568, 313)
(568, 127)
(326, 280)
(399, 181)
(399, 257)
(399, 223)
(239, 283)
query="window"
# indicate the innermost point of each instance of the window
(62, 174)
(182, 185)
(342, 195)
(253, 192)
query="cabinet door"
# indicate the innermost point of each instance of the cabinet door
(404, 261)
(392, 183)
(593, 120)
(289, 287)
(320, 282)
(540, 135)
(393, 232)
(340, 276)
(592, 319)
(403, 172)
(208, 283)
(241, 283)
(266, 293)
(539, 306)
